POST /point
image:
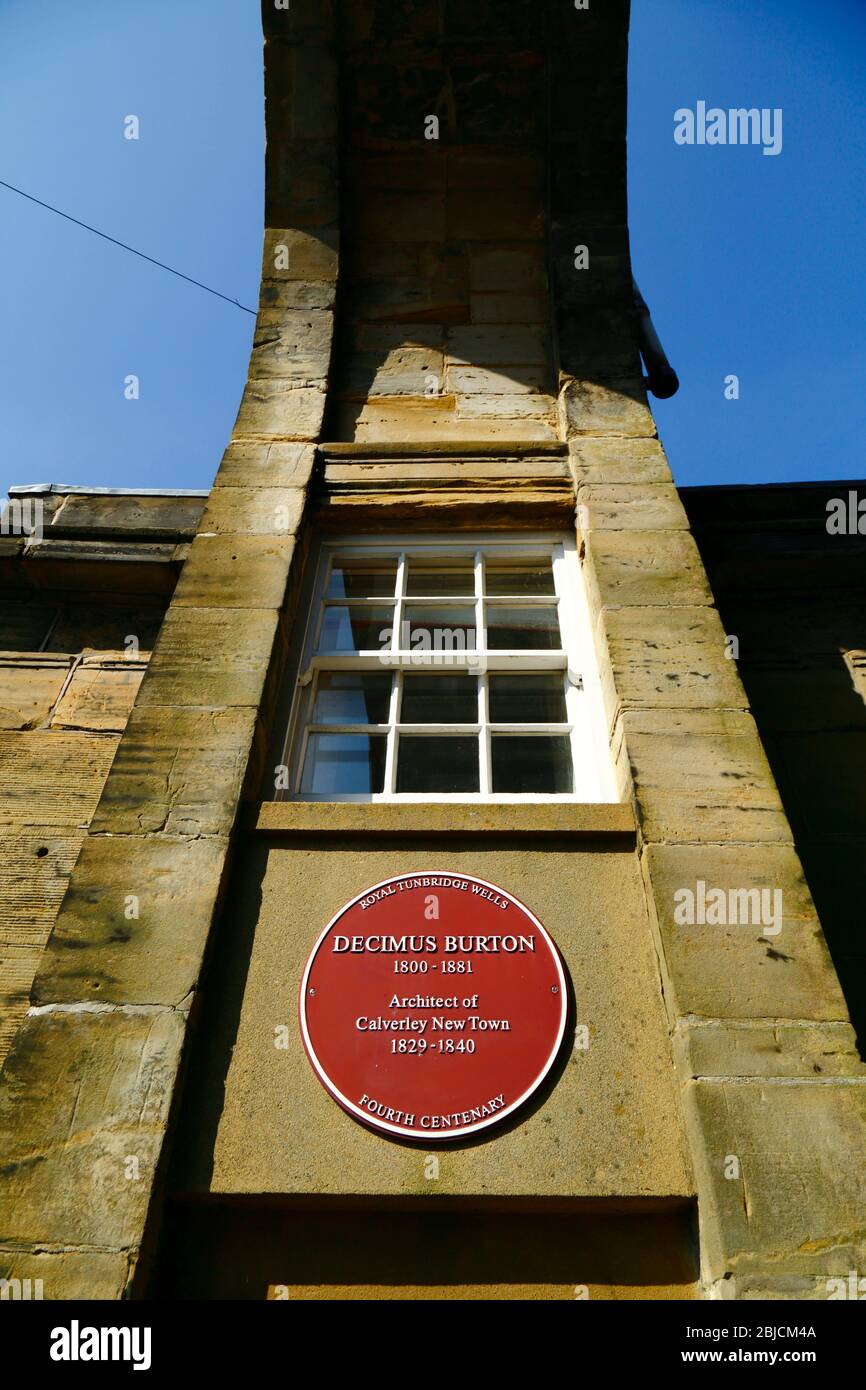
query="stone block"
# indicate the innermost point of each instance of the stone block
(52, 778)
(641, 568)
(290, 253)
(630, 461)
(702, 775)
(278, 407)
(476, 381)
(176, 771)
(623, 507)
(146, 516)
(526, 405)
(484, 346)
(611, 407)
(83, 1093)
(281, 295)
(670, 657)
(406, 371)
(210, 657)
(739, 933)
(67, 1274)
(100, 696)
(249, 464)
(252, 511)
(33, 877)
(234, 572)
(715, 1049)
(293, 344)
(29, 688)
(796, 1208)
(101, 953)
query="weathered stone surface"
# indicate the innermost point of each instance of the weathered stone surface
(477, 381)
(527, 405)
(322, 817)
(253, 511)
(82, 1094)
(147, 516)
(405, 371)
(614, 508)
(615, 460)
(234, 572)
(100, 695)
(641, 568)
(765, 959)
(291, 254)
(101, 953)
(670, 658)
(279, 407)
(29, 689)
(615, 407)
(797, 1206)
(765, 1288)
(249, 463)
(177, 772)
(53, 778)
(442, 472)
(297, 294)
(294, 344)
(483, 346)
(210, 657)
(17, 968)
(415, 421)
(725, 1049)
(35, 870)
(67, 1274)
(702, 775)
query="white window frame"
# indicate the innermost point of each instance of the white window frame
(592, 762)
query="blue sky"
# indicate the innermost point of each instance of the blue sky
(751, 265)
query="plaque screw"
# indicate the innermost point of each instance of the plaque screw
(554, 989)
(311, 992)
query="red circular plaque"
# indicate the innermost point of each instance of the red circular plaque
(433, 1005)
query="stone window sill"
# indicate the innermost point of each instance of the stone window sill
(455, 819)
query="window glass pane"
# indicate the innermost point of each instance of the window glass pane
(363, 578)
(540, 763)
(439, 700)
(517, 577)
(532, 699)
(361, 627)
(448, 764)
(438, 627)
(352, 697)
(344, 764)
(429, 580)
(511, 627)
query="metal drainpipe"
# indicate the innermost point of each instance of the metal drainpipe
(662, 380)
